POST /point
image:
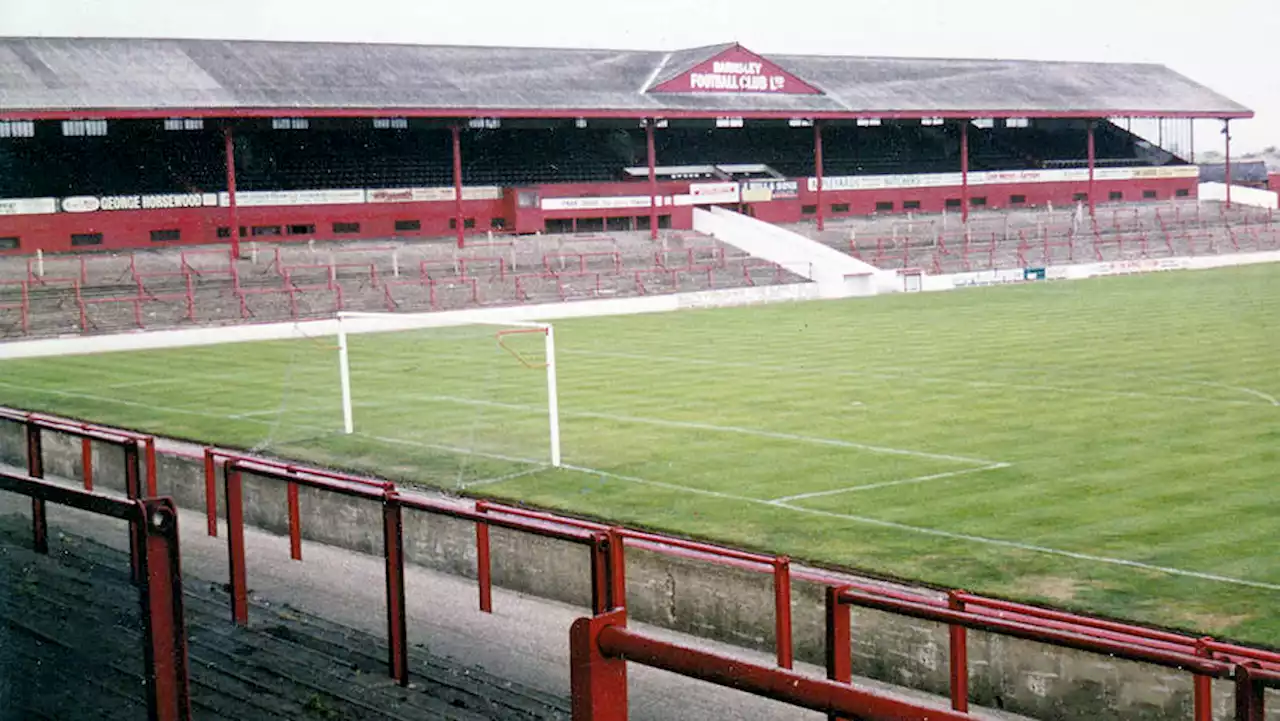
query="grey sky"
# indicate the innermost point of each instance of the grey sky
(1226, 45)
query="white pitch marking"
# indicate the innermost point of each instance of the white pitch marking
(889, 484)
(507, 477)
(693, 425)
(946, 534)
(920, 378)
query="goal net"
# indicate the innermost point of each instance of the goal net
(453, 405)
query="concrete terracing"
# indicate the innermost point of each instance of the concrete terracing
(70, 648)
(1040, 237)
(284, 281)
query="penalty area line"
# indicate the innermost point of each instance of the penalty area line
(890, 484)
(938, 533)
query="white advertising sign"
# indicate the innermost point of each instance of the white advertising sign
(940, 180)
(28, 206)
(262, 198)
(602, 203)
(431, 195)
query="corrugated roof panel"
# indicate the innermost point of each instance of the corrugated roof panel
(68, 74)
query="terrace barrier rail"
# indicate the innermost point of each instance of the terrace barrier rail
(158, 563)
(1252, 669)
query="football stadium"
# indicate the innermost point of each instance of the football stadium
(885, 388)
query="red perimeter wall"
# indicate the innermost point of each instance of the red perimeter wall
(125, 229)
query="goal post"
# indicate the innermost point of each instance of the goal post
(352, 323)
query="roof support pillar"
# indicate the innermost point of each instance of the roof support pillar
(651, 152)
(1093, 159)
(1192, 130)
(458, 220)
(964, 170)
(1226, 131)
(230, 151)
(817, 167)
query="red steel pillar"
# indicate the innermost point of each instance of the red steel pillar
(1226, 130)
(164, 627)
(457, 185)
(817, 167)
(229, 143)
(653, 177)
(1093, 158)
(964, 170)
(597, 683)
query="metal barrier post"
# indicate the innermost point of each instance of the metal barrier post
(484, 577)
(597, 683)
(1251, 696)
(295, 523)
(235, 544)
(617, 569)
(133, 491)
(35, 469)
(165, 650)
(210, 493)
(839, 640)
(601, 601)
(393, 553)
(86, 462)
(782, 610)
(1202, 687)
(153, 480)
(959, 657)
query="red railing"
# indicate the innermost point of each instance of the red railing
(154, 522)
(132, 444)
(600, 648)
(1206, 659)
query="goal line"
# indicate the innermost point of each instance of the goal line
(349, 323)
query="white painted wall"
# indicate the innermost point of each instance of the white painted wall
(1241, 195)
(838, 275)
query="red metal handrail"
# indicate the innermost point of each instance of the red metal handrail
(155, 522)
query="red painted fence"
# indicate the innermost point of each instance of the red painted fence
(601, 645)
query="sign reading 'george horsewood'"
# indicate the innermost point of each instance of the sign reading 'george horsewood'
(737, 70)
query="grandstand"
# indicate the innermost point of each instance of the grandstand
(160, 184)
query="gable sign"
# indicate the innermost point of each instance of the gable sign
(737, 70)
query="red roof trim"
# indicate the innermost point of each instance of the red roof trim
(736, 71)
(570, 113)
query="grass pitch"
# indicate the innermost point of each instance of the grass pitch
(1110, 445)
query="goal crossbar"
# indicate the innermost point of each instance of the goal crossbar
(357, 322)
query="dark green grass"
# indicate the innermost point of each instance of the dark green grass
(1134, 418)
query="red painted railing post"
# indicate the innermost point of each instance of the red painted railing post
(484, 578)
(959, 657)
(153, 481)
(35, 469)
(235, 543)
(617, 569)
(393, 553)
(782, 610)
(597, 683)
(1202, 686)
(210, 493)
(86, 462)
(295, 523)
(601, 601)
(133, 491)
(839, 640)
(1251, 698)
(164, 631)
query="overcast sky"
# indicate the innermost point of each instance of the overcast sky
(1229, 45)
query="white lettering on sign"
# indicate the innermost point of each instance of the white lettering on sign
(737, 76)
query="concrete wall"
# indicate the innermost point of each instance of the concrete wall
(721, 602)
(1240, 194)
